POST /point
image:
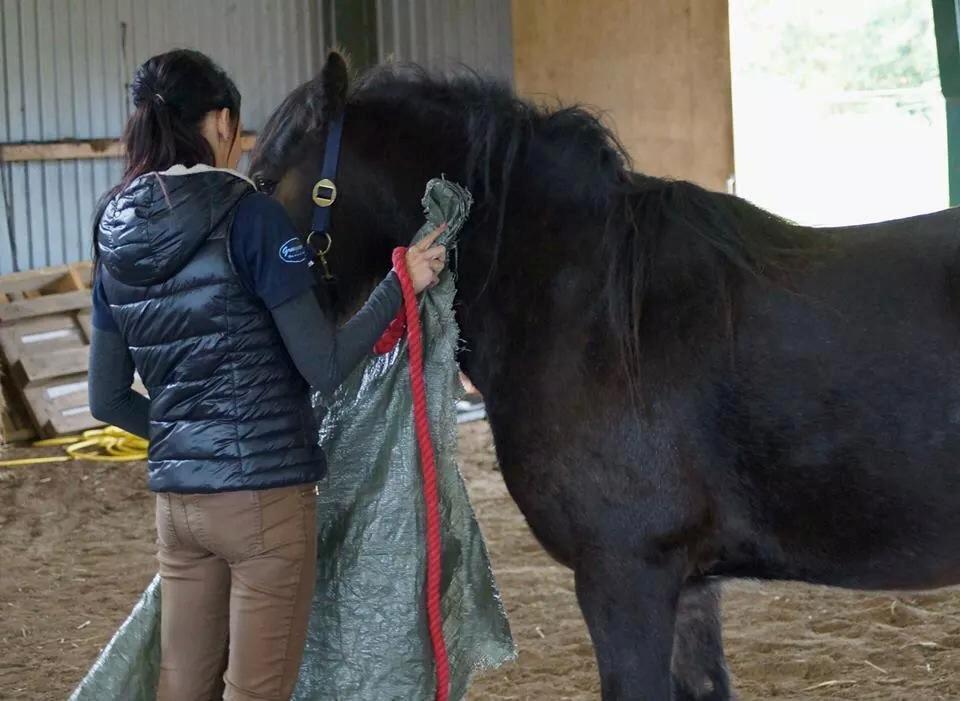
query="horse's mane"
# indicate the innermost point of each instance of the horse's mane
(564, 156)
(493, 123)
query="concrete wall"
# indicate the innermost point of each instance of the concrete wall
(660, 68)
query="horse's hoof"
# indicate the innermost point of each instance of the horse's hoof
(707, 689)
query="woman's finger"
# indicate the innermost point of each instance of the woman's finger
(427, 241)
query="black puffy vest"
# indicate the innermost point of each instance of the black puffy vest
(228, 409)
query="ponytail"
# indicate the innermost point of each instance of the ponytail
(172, 93)
(156, 138)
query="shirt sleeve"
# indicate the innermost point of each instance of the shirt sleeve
(267, 252)
(101, 315)
(111, 374)
(324, 354)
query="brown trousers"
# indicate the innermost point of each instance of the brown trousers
(237, 573)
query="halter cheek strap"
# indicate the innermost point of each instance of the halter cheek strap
(325, 190)
(324, 195)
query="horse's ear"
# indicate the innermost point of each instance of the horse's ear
(335, 78)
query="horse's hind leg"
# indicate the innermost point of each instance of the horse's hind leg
(699, 667)
(630, 609)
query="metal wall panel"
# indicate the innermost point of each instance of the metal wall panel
(65, 68)
(64, 72)
(444, 33)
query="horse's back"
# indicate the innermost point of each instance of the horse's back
(845, 407)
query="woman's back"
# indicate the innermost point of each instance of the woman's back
(229, 410)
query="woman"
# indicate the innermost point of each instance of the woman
(204, 290)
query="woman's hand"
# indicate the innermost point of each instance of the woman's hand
(425, 261)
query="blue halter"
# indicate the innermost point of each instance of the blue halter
(325, 194)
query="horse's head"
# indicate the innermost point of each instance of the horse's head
(388, 153)
(402, 126)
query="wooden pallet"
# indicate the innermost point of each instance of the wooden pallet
(48, 291)
(60, 406)
(44, 339)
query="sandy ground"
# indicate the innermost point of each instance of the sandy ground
(76, 549)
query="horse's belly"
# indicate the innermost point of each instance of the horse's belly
(876, 540)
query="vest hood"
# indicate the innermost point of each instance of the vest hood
(151, 229)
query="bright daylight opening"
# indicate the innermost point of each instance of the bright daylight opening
(837, 112)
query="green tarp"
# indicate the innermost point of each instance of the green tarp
(368, 637)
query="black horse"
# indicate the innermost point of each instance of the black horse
(682, 387)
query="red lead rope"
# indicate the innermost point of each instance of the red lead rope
(409, 319)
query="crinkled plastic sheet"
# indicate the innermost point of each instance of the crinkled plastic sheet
(368, 638)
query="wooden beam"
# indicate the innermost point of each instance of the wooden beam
(45, 304)
(75, 150)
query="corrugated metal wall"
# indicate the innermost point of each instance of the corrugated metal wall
(65, 67)
(438, 33)
(65, 71)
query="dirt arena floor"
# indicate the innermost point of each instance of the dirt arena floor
(76, 549)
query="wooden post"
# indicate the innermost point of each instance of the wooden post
(945, 17)
(659, 70)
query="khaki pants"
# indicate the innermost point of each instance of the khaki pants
(237, 573)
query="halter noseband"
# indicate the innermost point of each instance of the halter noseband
(325, 194)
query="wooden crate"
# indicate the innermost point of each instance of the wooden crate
(47, 291)
(60, 406)
(44, 339)
(31, 369)
(30, 338)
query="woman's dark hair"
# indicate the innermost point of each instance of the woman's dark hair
(172, 93)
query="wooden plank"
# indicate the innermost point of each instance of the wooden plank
(79, 149)
(30, 279)
(70, 281)
(33, 368)
(41, 334)
(63, 424)
(46, 402)
(49, 304)
(84, 272)
(85, 321)
(71, 150)
(71, 400)
(63, 407)
(64, 278)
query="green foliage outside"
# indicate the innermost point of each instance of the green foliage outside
(838, 112)
(841, 45)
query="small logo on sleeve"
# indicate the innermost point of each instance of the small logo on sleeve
(293, 251)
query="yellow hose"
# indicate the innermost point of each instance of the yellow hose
(110, 444)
